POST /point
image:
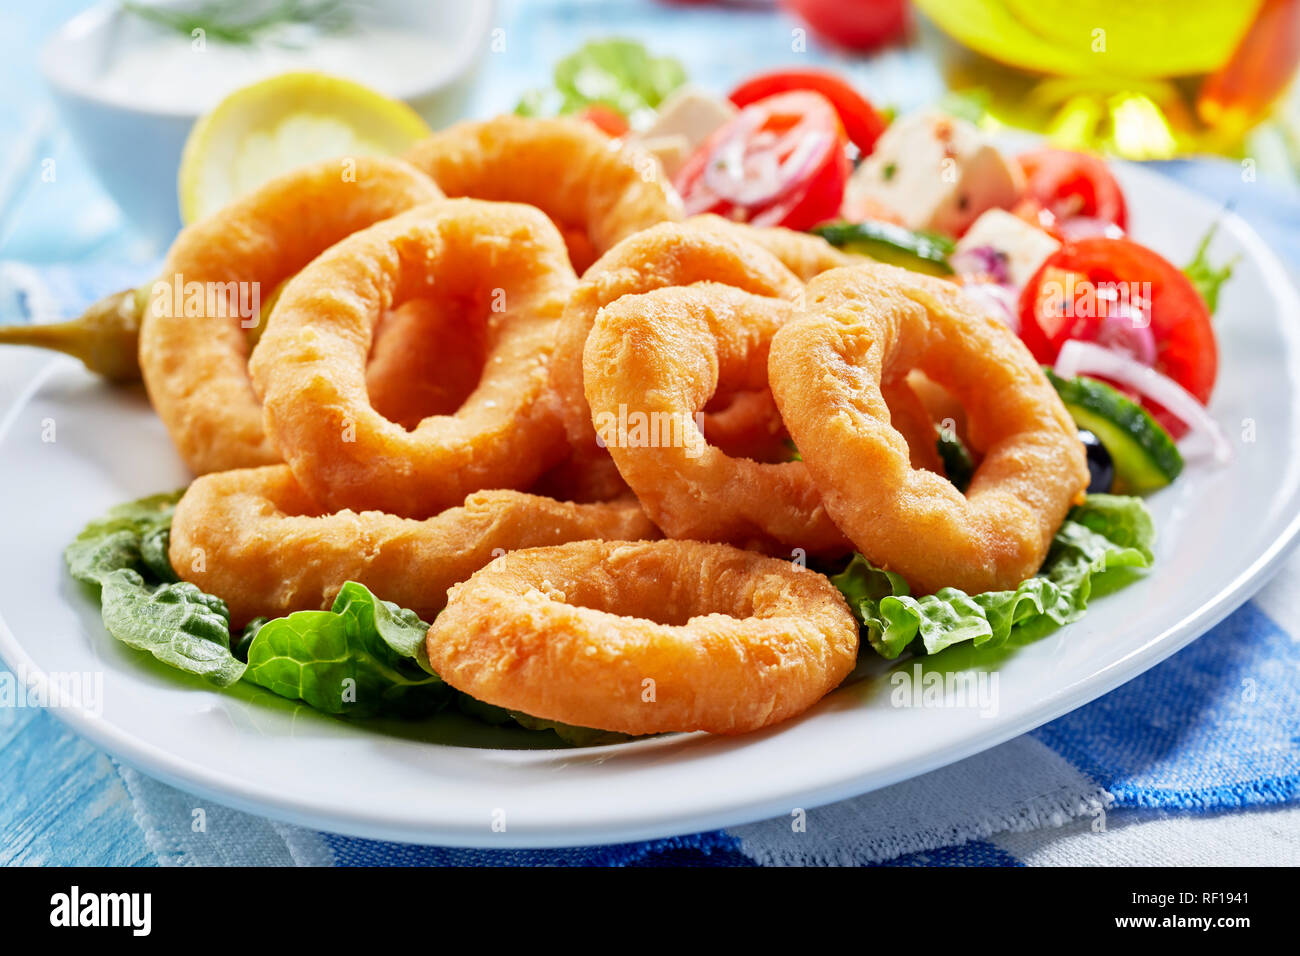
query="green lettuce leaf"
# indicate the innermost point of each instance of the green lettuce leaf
(614, 72)
(399, 628)
(176, 623)
(131, 535)
(1107, 535)
(1205, 277)
(359, 658)
(142, 603)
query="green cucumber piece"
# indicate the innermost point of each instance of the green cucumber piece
(885, 242)
(1144, 455)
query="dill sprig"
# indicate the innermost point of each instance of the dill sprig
(243, 21)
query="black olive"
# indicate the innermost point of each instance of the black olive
(1101, 467)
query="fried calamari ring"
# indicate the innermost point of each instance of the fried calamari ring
(671, 254)
(255, 539)
(193, 351)
(802, 253)
(910, 418)
(597, 190)
(501, 266)
(748, 426)
(646, 638)
(872, 323)
(652, 362)
(425, 361)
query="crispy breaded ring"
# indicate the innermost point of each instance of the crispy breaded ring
(872, 323)
(645, 638)
(598, 191)
(910, 418)
(802, 253)
(748, 426)
(652, 361)
(672, 254)
(255, 539)
(504, 267)
(195, 364)
(425, 361)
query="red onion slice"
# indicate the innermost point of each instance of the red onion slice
(1204, 436)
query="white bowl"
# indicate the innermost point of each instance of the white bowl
(135, 146)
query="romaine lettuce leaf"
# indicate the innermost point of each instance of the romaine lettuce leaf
(131, 535)
(142, 604)
(1106, 535)
(360, 658)
(615, 72)
(176, 623)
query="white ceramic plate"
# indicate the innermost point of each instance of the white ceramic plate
(1221, 532)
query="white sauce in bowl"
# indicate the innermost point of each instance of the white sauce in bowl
(158, 69)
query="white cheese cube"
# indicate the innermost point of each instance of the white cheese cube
(1021, 246)
(690, 113)
(937, 172)
(671, 151)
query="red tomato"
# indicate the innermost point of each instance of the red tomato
(1069, 184)
(862, 122)
(852, 24)
(1032, 212)
(1178, 337)
(778, 162)
(606, 119)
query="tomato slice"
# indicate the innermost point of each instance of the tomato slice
(1093, 289)
(606, 119)
(778, 162)
(1069, 184)
(863, 124)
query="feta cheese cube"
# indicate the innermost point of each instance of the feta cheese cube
(937, 172)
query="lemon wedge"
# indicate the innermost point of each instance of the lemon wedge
(277, 124)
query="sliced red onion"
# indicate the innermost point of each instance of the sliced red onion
(986, 260)
(1204, 436)
(1126, 331)
(999, 300)
(744, 175)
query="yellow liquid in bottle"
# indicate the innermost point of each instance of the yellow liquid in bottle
(1122, 77)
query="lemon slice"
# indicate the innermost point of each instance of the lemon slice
(277, 124)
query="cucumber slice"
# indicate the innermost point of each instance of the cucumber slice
(883, 241)
(1145, 457)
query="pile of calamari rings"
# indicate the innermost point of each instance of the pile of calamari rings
(503, 383)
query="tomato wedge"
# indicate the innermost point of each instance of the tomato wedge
(1069, 185)
(863, 123)
(606, 119)
(778, 162)
(1125, 296)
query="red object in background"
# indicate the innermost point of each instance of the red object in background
(606, 119)
(862, 123)
(852, 24)
(1258, 71)
(1069, 184)
(781, 161)
(1178, 320)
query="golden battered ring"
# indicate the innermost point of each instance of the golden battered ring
(597, 190)
(652, 362)
(869, 324)
(504, 266)
(193, 350)
(255, 539)
(646, 637)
